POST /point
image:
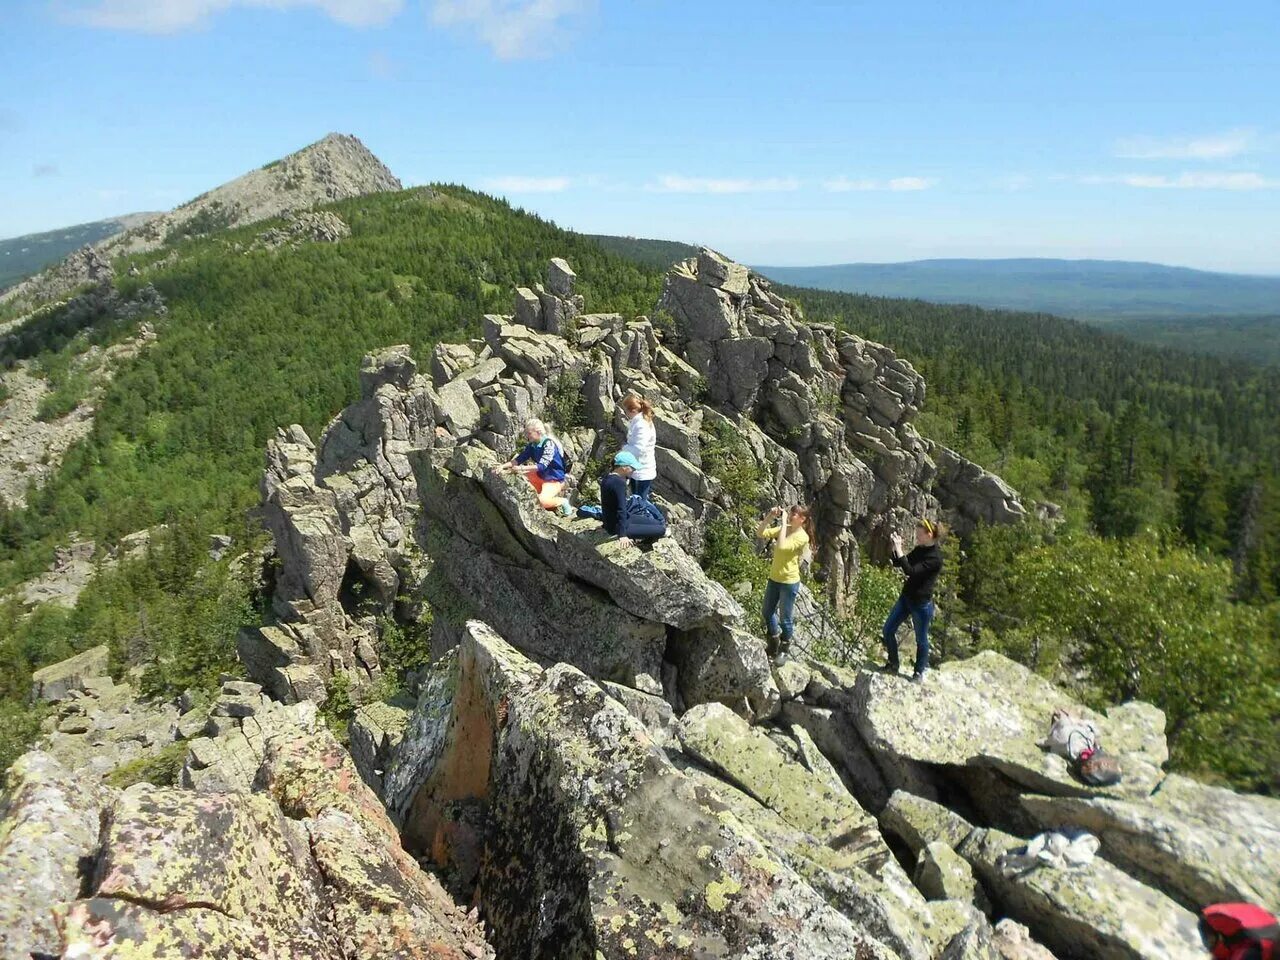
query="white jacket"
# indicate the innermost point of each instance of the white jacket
(641, 439)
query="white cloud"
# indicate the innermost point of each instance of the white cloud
(512, 29)
(527, 184)
(911, 183)
(678, 184)
(171, 16)
(1218, 146)
(896, 184)
(1189, 181)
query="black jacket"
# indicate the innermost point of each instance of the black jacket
(613, 503)
(922, 566)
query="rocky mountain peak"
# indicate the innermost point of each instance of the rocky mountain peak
(336, 167)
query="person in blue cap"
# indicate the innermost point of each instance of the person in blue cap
(628, 518)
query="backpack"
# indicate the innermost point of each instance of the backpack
(1098, 768)
(1239, 931)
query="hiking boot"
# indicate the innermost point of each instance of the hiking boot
(781, 658)
(564, 509)
(918, 677)
(888, 668)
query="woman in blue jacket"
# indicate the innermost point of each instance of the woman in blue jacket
(542, 463)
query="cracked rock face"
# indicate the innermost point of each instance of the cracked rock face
(306, 865)
(590, 842)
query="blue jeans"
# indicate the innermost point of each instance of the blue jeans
(641, 488)
(780, 598)
(920, 618)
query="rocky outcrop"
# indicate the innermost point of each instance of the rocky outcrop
(577, 834)
(974, 496)
(320, 226)
(396, 508)
(306, 865)
(599, 759)
(57, 681)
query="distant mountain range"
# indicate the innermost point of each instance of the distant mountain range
(22, 256)
(1233, 315)
(1099, 290)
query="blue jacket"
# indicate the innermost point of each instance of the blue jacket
(548, 455)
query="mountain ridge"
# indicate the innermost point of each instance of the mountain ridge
(28, 253)
(1087, 289)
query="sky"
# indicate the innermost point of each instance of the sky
(780, 133)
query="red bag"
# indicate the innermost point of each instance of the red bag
(1239, 931)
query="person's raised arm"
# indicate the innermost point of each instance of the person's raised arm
(773, 514)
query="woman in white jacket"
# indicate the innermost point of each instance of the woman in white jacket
(641, 439)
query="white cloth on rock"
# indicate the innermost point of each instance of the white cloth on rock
(1070, 735)
(1060, 849)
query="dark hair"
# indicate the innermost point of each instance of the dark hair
(935, 528)
(808, 521)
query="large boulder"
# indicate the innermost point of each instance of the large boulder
(991, 712)
(262, 898)
(589, 843)
(1097, 911)
(307, 864)
(48, 836)
(56, 681)
(1197, 843)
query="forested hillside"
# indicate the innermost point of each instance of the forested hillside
(654, 254)
(1166, 463)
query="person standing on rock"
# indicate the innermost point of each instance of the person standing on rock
(922, 566)
(542, 463)
(641, 441)
(792, 538)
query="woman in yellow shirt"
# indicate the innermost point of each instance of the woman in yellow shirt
(792, 537)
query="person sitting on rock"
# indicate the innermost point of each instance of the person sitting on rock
(792, 538)
(629, 518)
(542, 463)
(922, 566)
(641, 441)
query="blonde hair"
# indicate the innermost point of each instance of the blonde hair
(634, 400)
(543, 429)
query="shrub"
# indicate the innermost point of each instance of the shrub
(564, 402)
(160, 769)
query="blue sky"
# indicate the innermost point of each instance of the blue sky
(781, 133)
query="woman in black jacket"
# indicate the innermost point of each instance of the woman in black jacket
(922, 566)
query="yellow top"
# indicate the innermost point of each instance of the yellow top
(786, 555)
